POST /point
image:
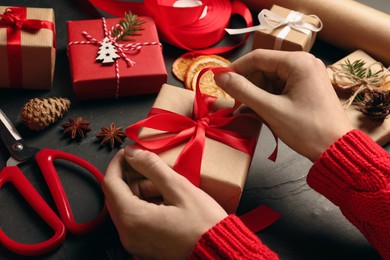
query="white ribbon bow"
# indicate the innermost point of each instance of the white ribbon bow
(294, 20)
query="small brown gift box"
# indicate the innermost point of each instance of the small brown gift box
(27, 58)
(380, 133)
(223, 169)
(286, 37)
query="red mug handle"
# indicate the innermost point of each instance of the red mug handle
(13, 175)
(45, 159)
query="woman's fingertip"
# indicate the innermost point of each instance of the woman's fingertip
(222, 77)
(132, 150)
(219, 70)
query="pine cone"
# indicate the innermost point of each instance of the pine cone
(37, 114)
(376, 105)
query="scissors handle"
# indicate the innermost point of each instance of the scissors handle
(13, 175)
(45, 159)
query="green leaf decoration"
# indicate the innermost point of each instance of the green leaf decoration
(358, 69)
(131, 24)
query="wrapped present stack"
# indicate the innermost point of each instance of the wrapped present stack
(105, 63)
(27, 38)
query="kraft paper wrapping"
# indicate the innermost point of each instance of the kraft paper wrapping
(379, 133)
(224, 169)
(293, 41)
(38, 53)
(348, 25)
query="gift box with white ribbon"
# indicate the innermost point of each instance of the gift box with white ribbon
(284, 29)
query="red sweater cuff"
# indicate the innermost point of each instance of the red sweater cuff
(230, 239)
(353, 163)
(354, 173)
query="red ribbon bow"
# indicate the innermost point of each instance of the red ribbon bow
(15, 20)
(16, 17)
(193, 131)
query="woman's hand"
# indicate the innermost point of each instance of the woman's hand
(306, 114)
(163, 231)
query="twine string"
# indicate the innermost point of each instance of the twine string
(367, 82)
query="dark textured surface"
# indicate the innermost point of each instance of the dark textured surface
(310, 227)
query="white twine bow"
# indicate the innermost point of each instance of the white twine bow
(121, 48)
(294, 20)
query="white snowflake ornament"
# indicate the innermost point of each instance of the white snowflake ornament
(107, 52)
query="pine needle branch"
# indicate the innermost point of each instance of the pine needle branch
(358, 69)
(131, 24)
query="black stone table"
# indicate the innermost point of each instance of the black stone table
(310, 228)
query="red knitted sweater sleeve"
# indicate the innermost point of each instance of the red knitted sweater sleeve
(231, 239)
(354, 173)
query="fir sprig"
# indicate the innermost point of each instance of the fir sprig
(358, 69)
(130, 25)
(370, 94)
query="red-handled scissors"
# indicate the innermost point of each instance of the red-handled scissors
(20, 152)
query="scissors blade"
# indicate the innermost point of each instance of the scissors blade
(11, 162)
(8, 131)
(19, 151)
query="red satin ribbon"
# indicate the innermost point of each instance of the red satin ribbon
(15, 20)
(183, 27)
(192, 131)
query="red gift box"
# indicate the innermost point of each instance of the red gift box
(92, 79)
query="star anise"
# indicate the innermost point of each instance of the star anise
(76, 128)
(111, 135)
